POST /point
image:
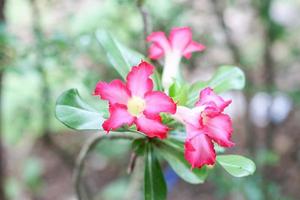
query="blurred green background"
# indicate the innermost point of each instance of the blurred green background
(49, 46)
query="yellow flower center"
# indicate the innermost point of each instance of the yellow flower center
(135, 106)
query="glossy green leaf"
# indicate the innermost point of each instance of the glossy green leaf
(173, 153)
(154, 183)
(179, 92)
(226, 78)
(218, 148)
(119, 57)
(157, 81)
(138, 146)
(236, 165)
(72, 111)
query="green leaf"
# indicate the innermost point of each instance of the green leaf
(179, 92)
(218, 148)
(236, 165)
(138, 145)
(226, 78)
(121, 57)
(154, 186)
(72, 111)
(156, 77)
(172, 152)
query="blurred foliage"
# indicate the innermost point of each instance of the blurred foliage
(32, 173)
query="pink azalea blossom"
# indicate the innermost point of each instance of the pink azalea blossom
(178, 44)
(205, 123)
(134, 102)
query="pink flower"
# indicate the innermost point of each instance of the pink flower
(205, 123)
(178, 44)
(136, 103)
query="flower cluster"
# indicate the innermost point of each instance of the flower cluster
(205, 123)
(135, 102)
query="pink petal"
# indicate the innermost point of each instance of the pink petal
(114, 92)
(188, 116)
(152, 127)
(192, 47)
(209, 98)
(138, 81)
(219, 128)
(118, 117)
(159, 39)
(155, 52)
(199, 150)
(180, 38)
(157, 102)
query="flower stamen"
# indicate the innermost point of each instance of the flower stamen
(136, 106)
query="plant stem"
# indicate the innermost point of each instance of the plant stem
(45, 91)
(237, 57)
(146, 21)
(268, 73)
(135, 181)
(132, 162)
(268, 70)
(88, 147)
(219, 12)
(2, 156)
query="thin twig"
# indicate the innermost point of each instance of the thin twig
(146, 21)
(237, 57)
(132, 162)
(269, 75)
(2, 152)
(229, 40)
(45, 92)
(40, 51)
(135, 181)
(89, 146)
